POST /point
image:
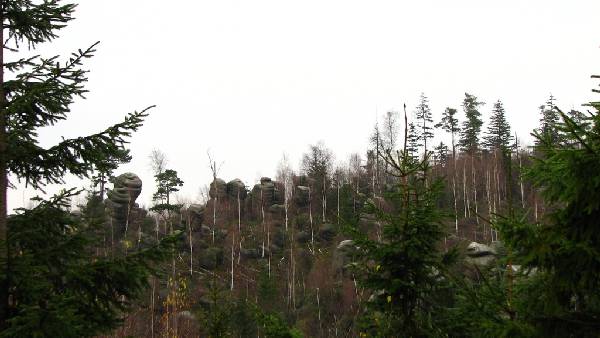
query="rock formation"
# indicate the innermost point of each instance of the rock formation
(120, 202)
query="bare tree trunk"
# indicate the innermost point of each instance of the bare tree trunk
(240, 212)
(232, 258)
(520, 178)
(152, 307)
(324, 198)
(474, 188)
(465, 195)
(262, 212)
(535, 201)
(454, 184)
(338, 201)
(312, 231)
(189, 222)
(216, 201)
(269, 246)
(489, 198)
(319, 311)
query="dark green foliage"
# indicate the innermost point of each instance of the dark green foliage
(40, 96)
(104, 171)
(59, 287)
(413, 141)
(486, 306)
(469, 138)
(563, 249)
(216, 312)
(498, 134)
(34, 22)
(440, 154)
(273, 326)
(449, 122)
(223, 316)
(404, 269)
(424, 121)
(549, 119)
(167, 183)
(52, 283)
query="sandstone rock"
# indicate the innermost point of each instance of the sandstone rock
(120, 202)
(211, 258)
(327, 232)
(218, 189)
(301, 196)
(234, 187)
(480, 254)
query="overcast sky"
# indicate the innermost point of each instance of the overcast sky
(250, 80)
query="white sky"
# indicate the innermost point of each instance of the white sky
(250, 80)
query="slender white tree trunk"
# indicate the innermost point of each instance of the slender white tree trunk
(232, 258)
(312, 231)
(474, 188)
(262, 212)
(465, 194)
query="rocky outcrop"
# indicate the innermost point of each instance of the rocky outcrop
(342, 256)
(480, 254)
(120, 203)
(301, 196)
(236, 188)
(197, 212)
(218, 189)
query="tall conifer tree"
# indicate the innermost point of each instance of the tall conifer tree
(498, 134)
(424, 121)
(469, 140)
(51, 285)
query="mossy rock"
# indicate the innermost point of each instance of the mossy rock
(303, 237)
(279, 238)
(250, 253)
(327, 232)
(211, 258)
(302, 221)
(277, 209)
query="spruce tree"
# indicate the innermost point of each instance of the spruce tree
(469, 140)
(549, 118)
(440, 154)
(449, 124)
(425, 121)
(50, 282)
(561, 298)
(413, 142)
(498, 134)
(403, 269)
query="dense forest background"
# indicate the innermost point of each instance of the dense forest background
(411, 238)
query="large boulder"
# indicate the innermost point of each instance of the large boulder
(342, 255)
(301, 195)
(265, 194)
(218, 189)
(236, 188)
(197, 213)
(480, 254)
(211, 258)
(277, 209)
(250, 253)
(303, 237)
(120, 201)
(327, 232)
